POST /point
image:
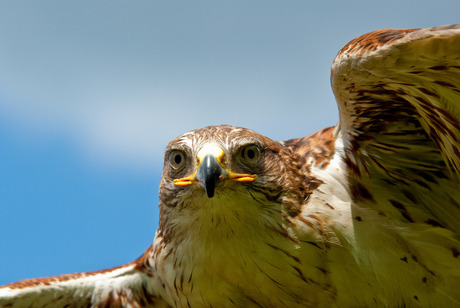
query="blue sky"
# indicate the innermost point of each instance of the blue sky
(92, 91)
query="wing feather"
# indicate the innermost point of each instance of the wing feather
(398, 93)
(130, 285)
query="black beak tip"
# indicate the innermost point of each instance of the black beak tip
(209, 190)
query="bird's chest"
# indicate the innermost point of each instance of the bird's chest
(243, 274)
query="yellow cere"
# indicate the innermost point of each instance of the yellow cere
(184, 181)
(241, 177)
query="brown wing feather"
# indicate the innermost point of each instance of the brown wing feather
(398, 93)
(316, 148)
(126, 285)
(372, 41)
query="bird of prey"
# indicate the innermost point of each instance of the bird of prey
(366, 213)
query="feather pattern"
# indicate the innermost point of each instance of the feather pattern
(399, 103)
(129, 285)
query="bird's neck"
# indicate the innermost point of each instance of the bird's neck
(223, 220)
(216, 248)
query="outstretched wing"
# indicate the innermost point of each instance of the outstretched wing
(130, 285)
(398, 93)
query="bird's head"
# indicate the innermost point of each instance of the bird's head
(218, 172)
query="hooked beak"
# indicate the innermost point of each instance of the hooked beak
(211, 170)
(209, 173)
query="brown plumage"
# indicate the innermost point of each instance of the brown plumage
(362, 214)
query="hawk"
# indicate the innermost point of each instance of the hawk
(366, 213)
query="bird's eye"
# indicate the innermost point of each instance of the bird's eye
(250, 154)
(177, 159)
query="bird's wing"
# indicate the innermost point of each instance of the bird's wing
(398, 93)
(130, 285)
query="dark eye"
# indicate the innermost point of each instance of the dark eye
(176, 159)
(250, 154)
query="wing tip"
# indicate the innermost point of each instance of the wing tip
(374, 40)
(141, 264)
